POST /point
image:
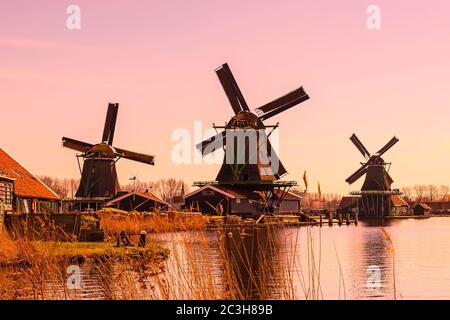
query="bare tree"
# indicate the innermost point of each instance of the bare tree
(407, 193)
(65, 188)
(432, 192)
(165, 189)
(419, 191)
(443, 192)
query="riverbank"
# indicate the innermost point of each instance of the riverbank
(22, 252)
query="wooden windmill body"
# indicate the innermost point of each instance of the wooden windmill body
(250, 162)
(98, 174)
(376, 191)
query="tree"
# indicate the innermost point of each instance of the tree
(443, 192)
(407, 193)
(65, 188)
(432, 192)
(419, 191)
(166, 189)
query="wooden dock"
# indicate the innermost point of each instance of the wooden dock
(284, 220)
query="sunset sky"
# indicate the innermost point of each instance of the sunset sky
(157, 59)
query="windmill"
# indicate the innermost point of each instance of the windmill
(376, 189)
(98, 175)
(254, 160)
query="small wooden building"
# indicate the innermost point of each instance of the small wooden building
(224, 200)
(29, 194)
(137, 201)
(348, 204)
(399, 206)
(439, 207)
(421, 209)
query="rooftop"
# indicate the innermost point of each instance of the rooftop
(26, 185)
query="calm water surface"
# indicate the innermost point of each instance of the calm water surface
(356, 262)
(403, 259)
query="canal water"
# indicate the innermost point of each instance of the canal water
(390, 259)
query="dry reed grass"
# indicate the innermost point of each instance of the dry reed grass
(113, 223)
(255, 262)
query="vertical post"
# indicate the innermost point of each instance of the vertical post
(320, 219)
(340, 219)
(142, 238)
(356, 218)
(330, 219)
(347, 218)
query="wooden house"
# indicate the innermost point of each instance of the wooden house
(21, 191)
(421, 209)
(399, 207)
(137, 201)
(348, 204)
(439, 207)
(221, 200)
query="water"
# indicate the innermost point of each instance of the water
(402, 259)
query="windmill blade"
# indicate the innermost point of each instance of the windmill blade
(357, 174)
(135, 156)
(358, 144)
(388, 145)
(281, 101)
(76, 144)
(231, 88)
(282, 104)
(110, 123)
(212, 144)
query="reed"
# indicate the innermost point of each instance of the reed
(113, 223)
(255, 262)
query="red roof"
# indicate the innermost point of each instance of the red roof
(146, 195)
(398, 201)
(423, 205)
(26, 185)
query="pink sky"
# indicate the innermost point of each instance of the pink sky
(157, 59)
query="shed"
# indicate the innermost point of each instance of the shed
(137, 201)
(421, 209)
(347, 204)
(399, 205)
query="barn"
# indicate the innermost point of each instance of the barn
(421, 209)
(137, 201)
(225, 200)
(21, 191)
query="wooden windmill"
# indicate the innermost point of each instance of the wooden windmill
(98, 175)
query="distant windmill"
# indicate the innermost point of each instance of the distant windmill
(376, 190)
(135, 179)
(377, 177)
(99, 176)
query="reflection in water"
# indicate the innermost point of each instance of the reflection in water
(249, 262)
